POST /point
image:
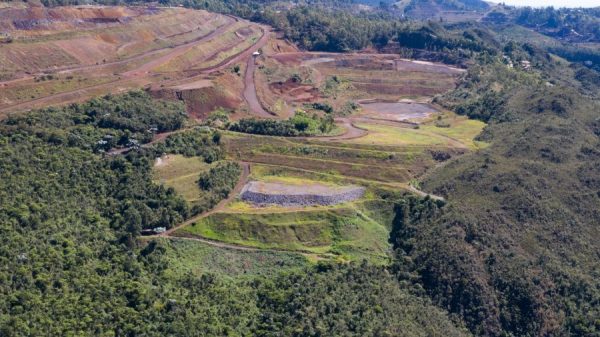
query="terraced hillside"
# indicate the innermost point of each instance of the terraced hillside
(384, 134)
(67, 54)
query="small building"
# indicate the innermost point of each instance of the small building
(153, 231)
(159, 230)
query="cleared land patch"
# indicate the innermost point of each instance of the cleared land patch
(459, 128)
(296, 78)
(200, 258)
(380, 134)
(181, 174)
(398, 111)
(67, 54)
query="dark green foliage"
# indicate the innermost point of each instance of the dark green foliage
(331, 31)
(323, 106)
(589, 79)
(192, 143)
(220, 179)
(576, 25)
(433, 37)
(489, 104)
(264, 127)
(511, 252)
(484, 93)
(338, 300)
(338, 30)
(300, 125)
(68, 218)
(104, 122)
(567, 26)
(454, 5)
(409, 214)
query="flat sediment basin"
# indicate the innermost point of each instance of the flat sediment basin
(399, 111)
(263, 193)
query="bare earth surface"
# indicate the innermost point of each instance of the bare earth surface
(142, 74)
(399, 111)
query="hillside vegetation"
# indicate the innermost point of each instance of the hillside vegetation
(504, 245)
(72, 264)
(523, 212)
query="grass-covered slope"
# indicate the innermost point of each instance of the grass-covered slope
(344, 231)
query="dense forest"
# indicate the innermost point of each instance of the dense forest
(575, 25)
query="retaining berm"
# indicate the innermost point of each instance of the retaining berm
(262, 193)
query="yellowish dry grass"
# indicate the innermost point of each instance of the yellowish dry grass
(181, 174)
(398, 136)
(460, 128)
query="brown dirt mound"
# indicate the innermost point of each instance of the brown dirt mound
(298, 92)
(200, 100)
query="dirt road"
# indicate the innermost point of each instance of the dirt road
(351, 132)
(218, 244)
(250, 94)
(250, 90)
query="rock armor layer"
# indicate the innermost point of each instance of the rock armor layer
(262, 193)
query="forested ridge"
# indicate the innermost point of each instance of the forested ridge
(523, 211)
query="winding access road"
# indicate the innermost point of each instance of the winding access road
(250, 94)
